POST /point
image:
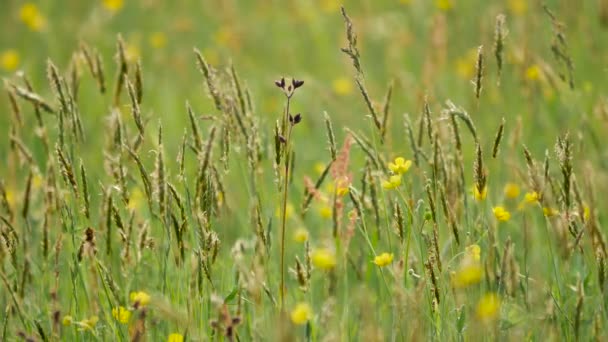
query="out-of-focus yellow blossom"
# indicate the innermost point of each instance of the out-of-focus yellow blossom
(549, 212)
(175, 337)
(139, 299)
(474, 252)
(400, 166)
(444, 5)
(132, 53)
(31, 16)
(392, 183)
(342, 86)
(465, 65)
(113, 5)
(289, 210)
(469, 273)
(301, 314)
(511, 190)
(586, 212)
(488, 307)
(330, 6)
(135, 199)
(326, 211)
(9, 60)
(158, 40)
(301, 235)
(319, 168)
(11, 197)
(324, 258)
(88, 324)
(384, 259)
(226, 37)
(121, 314)
(533, 73)
(67, 320)
(518, 7)
(37, 181)
(480, 195)
(501, 213)
(531, 197)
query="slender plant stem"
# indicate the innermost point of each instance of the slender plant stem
(286, 126)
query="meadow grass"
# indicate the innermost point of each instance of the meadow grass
(432, 171)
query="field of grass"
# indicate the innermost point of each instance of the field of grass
(294, 170)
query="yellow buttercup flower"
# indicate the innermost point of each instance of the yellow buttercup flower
(518, 7)
(465, 65)
(325, 211)
(158, 40)
(139, 299)
(175, 337)
(392, 183)
(474, 252)
(480, 195)
(501, 213)
(301, 314)
(289, 210)
(342, 86)
(88, 324)
(136, 199)
(444, 5)
(324, 258)
(31, 16)
(383, 259)
(488, 307)
(319, 168)
(301, 235)
(400, 166)
(511, 190)
(113, 5)
(9, 60)
(586, 212)
(469, 273)
(67, 320)
(121, 314)
(549, 212)
(533, 73)
(531, 197)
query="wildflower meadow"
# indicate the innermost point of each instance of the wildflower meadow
(303, 170)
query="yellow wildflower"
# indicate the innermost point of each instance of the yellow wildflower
(533, 73)
(400, 166)
(465, 65)
(113, 5)
(301, 235)
(480, 195)
(121, 314)
(586, 212)
(324, 258)
(9, 60)
(139, 299)
(469, 273)
(488, 307)
(135, 199)
(330, 6)
(289, 210)
(383, 259)
(319, 168)
(88, 324)
(301, 314)
(392, 183)
(501, 213)
(132, 52)
(531, 197)
(158, 40)
(175, 337)
(342, 86)
(326, 211)
(67, 320)
(474, 252)
(444, 5)
(518, 7)
(547, 211)
(31, 16)
(511, 190)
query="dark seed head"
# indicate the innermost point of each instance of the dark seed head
(297, 83)
(280, 83)
(297, 119)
